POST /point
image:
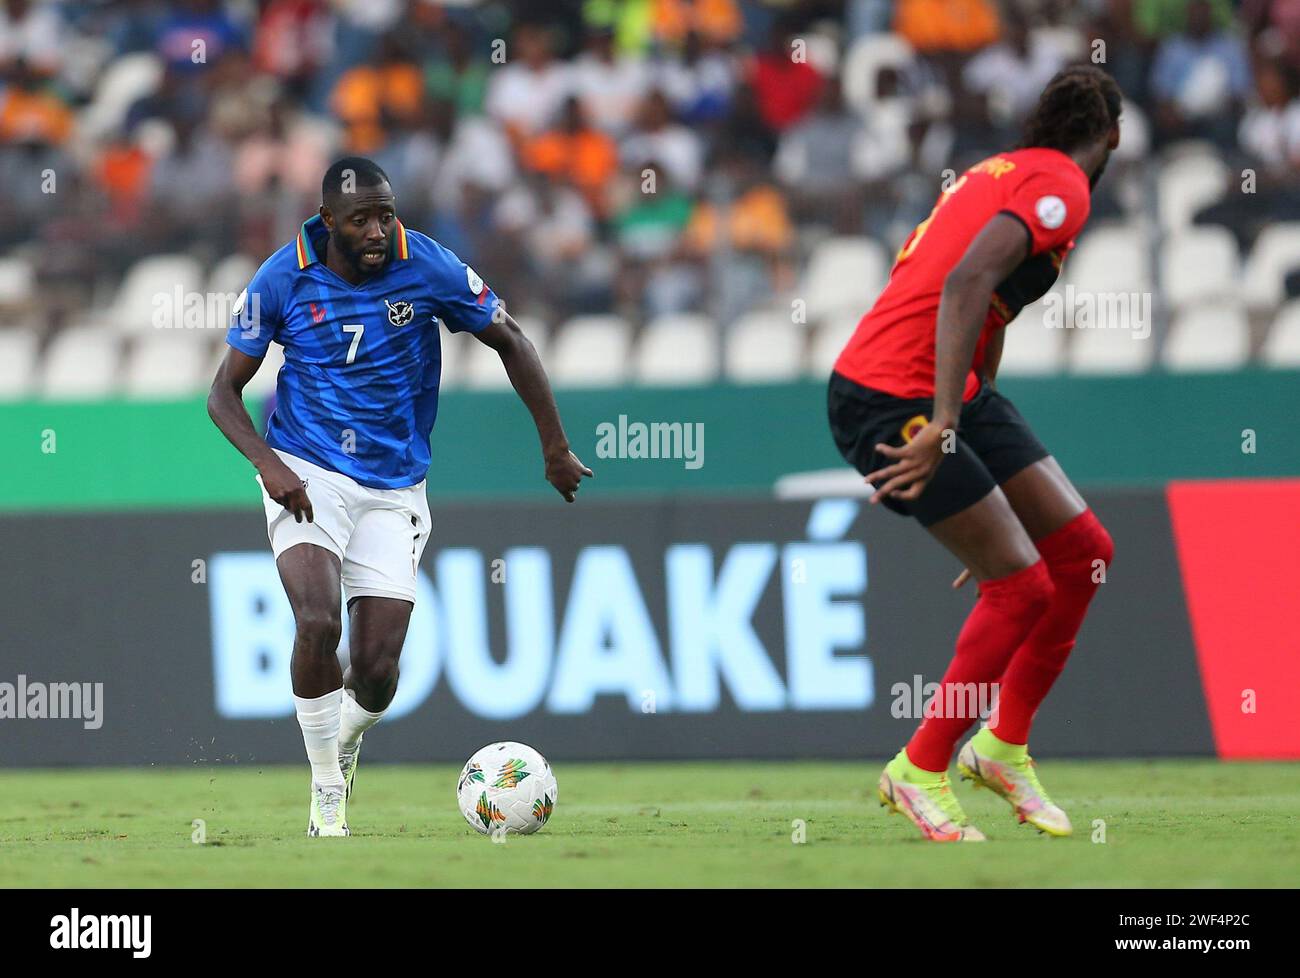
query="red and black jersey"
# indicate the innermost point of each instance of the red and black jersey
(892, 350)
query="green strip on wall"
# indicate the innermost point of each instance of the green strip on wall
(1114, 430)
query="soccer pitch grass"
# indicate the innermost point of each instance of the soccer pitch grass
(1167, 823)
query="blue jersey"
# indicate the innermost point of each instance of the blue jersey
(358, 392)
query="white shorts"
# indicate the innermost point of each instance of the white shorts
(377, 534)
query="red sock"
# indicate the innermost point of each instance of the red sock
(1004, 614)
(1071, 554)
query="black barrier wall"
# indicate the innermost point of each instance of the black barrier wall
(661, 629)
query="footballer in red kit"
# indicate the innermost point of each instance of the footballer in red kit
(913, 407)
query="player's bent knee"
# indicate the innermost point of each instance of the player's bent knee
(375, 671)
(318, 631)
(1026, 593)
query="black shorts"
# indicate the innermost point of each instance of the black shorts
(993, 443)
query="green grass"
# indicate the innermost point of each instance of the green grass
(1167, 823)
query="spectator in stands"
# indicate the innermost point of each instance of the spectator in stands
(30, 114)
(32, 33)
(1199, 79)
(819, 160)
(716, 20)
(1007, 77)
(196, 34)
(1270, 131)
(390, 89)
(1127, 52)
(611, 88)
(458, 75)
(293, 41)
(578, 154)
(935, 26)
(526, 94)
(699, 82)
(672, 147)
(655, 276)
(785, 84)
(742, 229)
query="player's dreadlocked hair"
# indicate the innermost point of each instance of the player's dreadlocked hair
(1077, 107)
(364, 173)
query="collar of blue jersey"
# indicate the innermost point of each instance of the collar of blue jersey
(315, 227)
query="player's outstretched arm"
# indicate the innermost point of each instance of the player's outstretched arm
(227, 411)
(564, 470)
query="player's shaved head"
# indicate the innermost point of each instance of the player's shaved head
(347, 177)
(358, 208)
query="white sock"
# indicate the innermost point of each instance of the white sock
(319, 719)
(355, 721)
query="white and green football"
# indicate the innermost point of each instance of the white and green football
(506, 789)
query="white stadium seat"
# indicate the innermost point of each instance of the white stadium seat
(125, 81)
(592, 351)
(844, 275)
(1188, 183)
(863, 63)
(1110, 258)
(1111, 344)
(231, 275)
(263, 383)
(1199, 264)
(1211, 337)
(678, 349)
(1275, 255)
(828, 341)
(148, 297)
(17, 281)
(1282, 345)
(764, 347)
(17, 362)
(81, 363)
(480, 367)
(1034, 342)
(167, 363)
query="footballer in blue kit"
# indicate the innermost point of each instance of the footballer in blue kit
(355, 301)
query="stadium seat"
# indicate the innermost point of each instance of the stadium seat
(17, 281)
(17, 362)
(126, 80)
(828, 341)
(81, 363)
(1187, 183)
(1282, 345)
(231, 275)
(592, 351)
(1034, 344)
(263, 383)
(844, 275)
(1071, 42)
(1110, 257)
(1275, 255)
(764, 347)
(148, 297)
(1111, 349)
(1199, 264)
(678, 349)
(480, 368)
(863, 63)
(1208, 337)
(167, 363)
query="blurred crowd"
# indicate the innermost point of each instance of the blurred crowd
(637, 156)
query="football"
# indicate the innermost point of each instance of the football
(506, 788)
